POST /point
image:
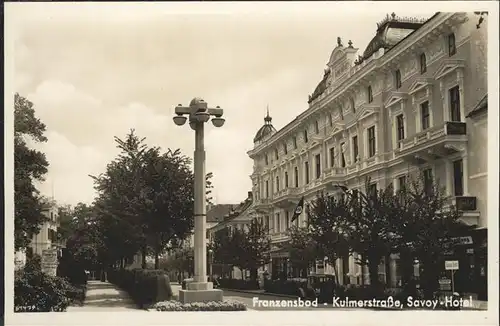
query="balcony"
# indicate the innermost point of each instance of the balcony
(287, 197)
(263, 205)
(467, 205)
(279, 236)
(434, 143)
(334, 176)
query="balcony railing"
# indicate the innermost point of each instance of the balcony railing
(279, 236)
(449, 128)
(465, 203)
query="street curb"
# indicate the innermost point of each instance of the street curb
(265, 293)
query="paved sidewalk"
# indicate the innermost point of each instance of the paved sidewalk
(104, 296)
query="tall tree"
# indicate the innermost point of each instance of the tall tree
(328, 219)
(369, 217)
(253, 245)
(149, 193)
(30, 165)
(303, 248)
(424, 228)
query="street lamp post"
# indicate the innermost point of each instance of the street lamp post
(199, 113)
(211, 257)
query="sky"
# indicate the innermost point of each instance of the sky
(95, 71)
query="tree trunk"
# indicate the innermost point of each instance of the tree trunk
(337, 279)
(253, 274)
(144, 252)
(157, 260)
(373, 263)
(429, 277)
(406, 263)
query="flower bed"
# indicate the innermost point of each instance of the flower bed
(226, 305)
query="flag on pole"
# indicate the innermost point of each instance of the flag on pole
(298, 210)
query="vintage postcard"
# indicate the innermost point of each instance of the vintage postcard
(251, 163)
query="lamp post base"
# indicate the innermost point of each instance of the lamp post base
(200, 292)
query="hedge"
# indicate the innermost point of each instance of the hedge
(35, 291)
(288, 287)
(238, 284)
(144, 286)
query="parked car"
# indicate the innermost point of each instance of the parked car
(323, 287)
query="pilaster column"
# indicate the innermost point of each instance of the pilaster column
(444, 100)
(465, 164)
(460, 80)
(449, 177)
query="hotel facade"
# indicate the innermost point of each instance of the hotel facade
(414, 100)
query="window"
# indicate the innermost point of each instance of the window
(341, 113)
(397, 79)
(278, 224)
(267, 188)
(306, 167)
(277, 183)
(285, 149)
(423, 63)
(455, 104)
(372, 190)
(318, 165)
(370, 94)
(332, 157)
(266, 159)
(287, 219)
(286, 179)
(458, 177)
(306, 139)
(316, 126)
(452, 49)
(400, 128)
(353, 106)
(276, 154)
(401, 182)
(371, 141)
(330, 119)
(427, 174)
(294, 142)
(342, 156)
(425, 115)
(355, 150)
(296, 176)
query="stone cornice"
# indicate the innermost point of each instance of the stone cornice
(362, 74)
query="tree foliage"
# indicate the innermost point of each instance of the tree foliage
(30, 165)
(302, 248)
(145, 199)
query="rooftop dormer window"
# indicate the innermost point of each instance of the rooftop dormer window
(306, 138)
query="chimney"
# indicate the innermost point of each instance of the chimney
(249, 195)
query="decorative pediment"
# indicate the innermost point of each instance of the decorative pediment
(365, 111)
(420, 84)
(395, 98)
(338, 127)
(447, 67)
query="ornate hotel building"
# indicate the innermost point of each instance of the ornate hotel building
(415, 99)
